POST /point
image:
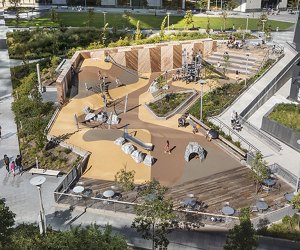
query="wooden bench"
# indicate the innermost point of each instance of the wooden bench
(44, 172)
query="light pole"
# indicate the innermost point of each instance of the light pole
(104, 17)
(38, 181)
(298, 176)
(246, 26)
(168, 13)
(201, 99)
(263, 25)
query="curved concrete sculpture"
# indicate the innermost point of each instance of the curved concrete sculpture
(133, 139)
(128, 148)
(194, 148)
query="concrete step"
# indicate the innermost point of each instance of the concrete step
(234, 64)
(233, 59)
(241, 70)
(233, 56)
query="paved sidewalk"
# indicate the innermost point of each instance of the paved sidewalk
(9, 143)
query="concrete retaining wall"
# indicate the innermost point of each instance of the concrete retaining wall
(281, 132)
(142, 58)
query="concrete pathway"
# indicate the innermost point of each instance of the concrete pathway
(9, 143)
(287, 157)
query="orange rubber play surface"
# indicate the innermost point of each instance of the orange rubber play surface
(108, 158)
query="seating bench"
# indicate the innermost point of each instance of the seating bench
(44, 172)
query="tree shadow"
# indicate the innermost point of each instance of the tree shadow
(58, 218)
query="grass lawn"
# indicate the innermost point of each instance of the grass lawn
(146, 21)
(45, 21)
(287, 114)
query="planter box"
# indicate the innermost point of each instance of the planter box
(174, 111)
(283, 133)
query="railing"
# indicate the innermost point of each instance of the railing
(130, 71)
(266, 57)
(275, 215)
(113, 205)
(70, 178)
(260, 135)
(51, 121)
(284, 173)
(231, 132)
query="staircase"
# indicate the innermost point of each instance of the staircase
(237, 61)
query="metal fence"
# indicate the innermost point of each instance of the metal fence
(71, 177)
(274, 216)
(284, 173)
(260, 134)
(234, 135)
(184, 217)
(276, 169)
(51, 121)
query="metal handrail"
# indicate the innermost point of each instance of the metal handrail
(130, 71)
(284, 173)
(260, 134)
(51, 121)
(231, 131)
(139, 204)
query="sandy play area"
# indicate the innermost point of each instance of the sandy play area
(107, 158)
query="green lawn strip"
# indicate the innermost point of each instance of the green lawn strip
(32, 23)
(146, 21)
(287, 114)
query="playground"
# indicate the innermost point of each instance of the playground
(114, 98)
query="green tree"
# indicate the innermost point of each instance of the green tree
(293, 4)
(154, 215)
(226, 58)
(77, 238)
(162, 28)
(208, 26)
(188, 19)
(53, 15)
(125, 179)
(259, 170)
(296, 201)
(231, 4)
(104, 34)
(138, 34)
(243, 236)
(91, 14)
(262, 22)
(15, 2)
(6, 223)
(201, 4)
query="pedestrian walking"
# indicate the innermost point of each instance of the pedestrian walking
(167, 147)
(13, 168)
(18, 162)
(0, 132)
(6, 162)
(237, 75)
(233, 117)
